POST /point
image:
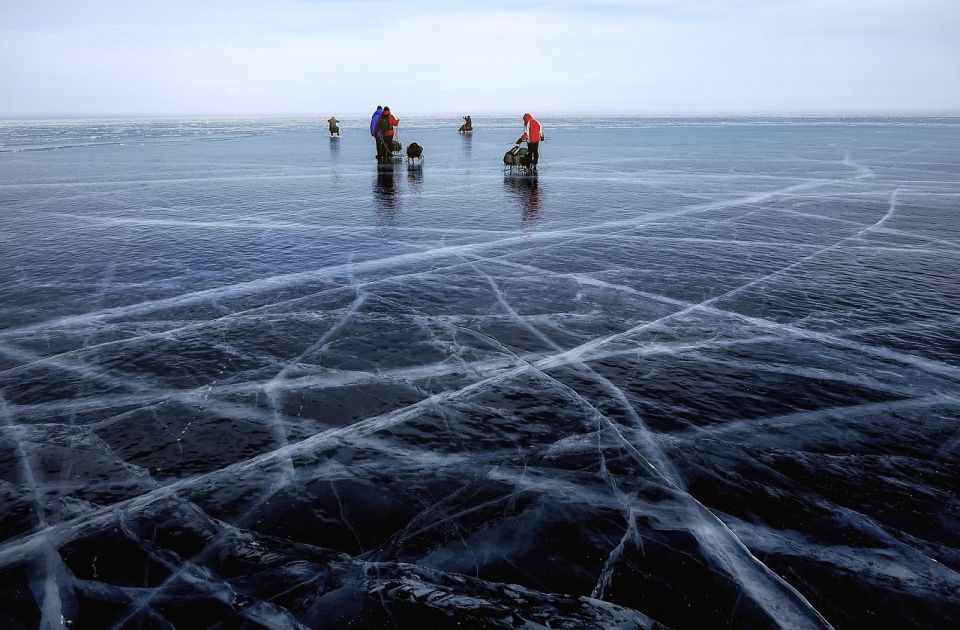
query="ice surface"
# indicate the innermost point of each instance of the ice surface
(699, 373)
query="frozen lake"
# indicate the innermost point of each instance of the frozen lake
(698, 373)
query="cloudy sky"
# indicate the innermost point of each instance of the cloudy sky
(124, 57)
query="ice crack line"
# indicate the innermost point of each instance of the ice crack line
(863, 171)
(49, 566)
(325, 273)
(714, 540)
(923, 363)
(710, 531)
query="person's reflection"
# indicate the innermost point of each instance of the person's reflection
(526, 190)
(385, 195)
(334, 145)
(467, 144)
(415, 177)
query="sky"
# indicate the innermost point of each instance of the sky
(314, 57)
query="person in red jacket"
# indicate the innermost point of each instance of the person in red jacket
(387, 124)
(533, 134)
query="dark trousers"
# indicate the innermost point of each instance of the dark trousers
(388, 143)
(381, 148)
(533, 151)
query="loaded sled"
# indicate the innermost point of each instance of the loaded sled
(517, 160)
(395, 150)
(414, 153)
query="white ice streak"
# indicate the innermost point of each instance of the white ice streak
(270, 388)
(261, 225)
(47, 571)
(763, 427)
(782, 329)
(862, 170)
(337, 271)
(777, 597)
(771, 592)
(896, 563)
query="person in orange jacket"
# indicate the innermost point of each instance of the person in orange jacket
(532, 134)
(387, 125)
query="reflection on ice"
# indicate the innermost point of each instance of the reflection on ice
(385, 194)
(700, 375)
(415, 177)
(526, 189)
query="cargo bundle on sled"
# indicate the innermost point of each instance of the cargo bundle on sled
(394, 149)
(414, 153)
(517, 160)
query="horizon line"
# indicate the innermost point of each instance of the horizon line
(19, 117)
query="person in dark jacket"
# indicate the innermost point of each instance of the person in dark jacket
(375, 130)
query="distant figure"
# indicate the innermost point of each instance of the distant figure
(333, 122)
(532, 135)
(387, 126)
(375, 131)
(467, 126)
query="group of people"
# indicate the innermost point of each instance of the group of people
(383, 128)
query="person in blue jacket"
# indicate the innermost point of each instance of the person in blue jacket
(375, 130)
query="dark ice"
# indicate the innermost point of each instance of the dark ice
(697, 373)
